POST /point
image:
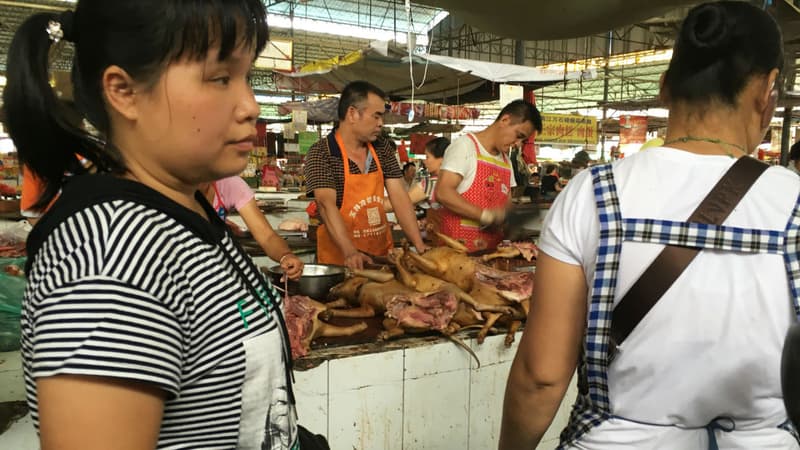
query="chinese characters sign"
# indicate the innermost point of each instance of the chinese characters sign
(568, 129)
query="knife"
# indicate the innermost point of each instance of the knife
(516, 217)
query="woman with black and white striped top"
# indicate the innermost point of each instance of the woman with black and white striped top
(144, 324)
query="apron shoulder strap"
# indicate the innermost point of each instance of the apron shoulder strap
(673, 260)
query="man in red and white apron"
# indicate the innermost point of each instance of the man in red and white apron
(347, 174)
(476, 178)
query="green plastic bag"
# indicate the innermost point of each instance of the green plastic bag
(12, 288)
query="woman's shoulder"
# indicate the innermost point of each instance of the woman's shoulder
(97, 214)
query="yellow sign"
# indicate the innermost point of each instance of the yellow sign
(568, 129)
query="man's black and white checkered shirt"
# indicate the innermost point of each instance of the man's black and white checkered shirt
(322, 170)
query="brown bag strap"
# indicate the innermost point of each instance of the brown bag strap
(672, 261)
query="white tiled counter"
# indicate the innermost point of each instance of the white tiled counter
(425, 397)
(426, 394)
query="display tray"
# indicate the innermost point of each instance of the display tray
(272, 208)
(9, 206)
(298, 245)
(324, 349)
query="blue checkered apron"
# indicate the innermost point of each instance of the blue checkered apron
(592, 406)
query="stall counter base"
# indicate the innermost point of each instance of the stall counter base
(427, 395)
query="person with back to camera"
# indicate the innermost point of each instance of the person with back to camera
(475, 180)
(144, 324)
(711, 272)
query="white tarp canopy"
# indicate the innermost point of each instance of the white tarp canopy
(507, 73)
(446, 79)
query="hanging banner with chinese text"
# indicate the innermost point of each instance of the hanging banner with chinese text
(568, 129)
(632, 129)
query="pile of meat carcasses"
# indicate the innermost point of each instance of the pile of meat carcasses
(444, 290)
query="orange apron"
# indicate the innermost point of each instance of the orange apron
(362, 212)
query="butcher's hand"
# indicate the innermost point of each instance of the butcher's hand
(492, 217)
(356, 260)
(292, 266)
(424, 248)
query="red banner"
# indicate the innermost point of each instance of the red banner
(434, 111)
(418, 142)
(632, 129)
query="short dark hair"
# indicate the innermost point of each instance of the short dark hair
(407, 165)
(523, 111)
(794, 153)
(548, 169)
(437, 146)
(719, 47)
(355, 93)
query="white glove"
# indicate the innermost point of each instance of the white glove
(491, 217)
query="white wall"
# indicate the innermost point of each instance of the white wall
(429, 397)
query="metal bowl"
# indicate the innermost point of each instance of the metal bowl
(316, 281)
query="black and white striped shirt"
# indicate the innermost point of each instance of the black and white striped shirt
(126, 284)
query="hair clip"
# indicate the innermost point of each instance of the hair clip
(54, 31)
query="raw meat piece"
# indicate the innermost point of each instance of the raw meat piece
(293, 225)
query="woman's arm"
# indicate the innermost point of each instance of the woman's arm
(94, 413)
(272, 244)
(405, 212)
(547, 354)
(416, 194)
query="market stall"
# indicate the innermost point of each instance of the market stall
(399, 398)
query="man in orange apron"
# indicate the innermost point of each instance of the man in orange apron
(346, 172)
(475, 178)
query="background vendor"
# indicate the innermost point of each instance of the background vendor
(475, 178)
(347, 174)
(271, 174)
(409, 174)
(423, 191)
(551, 183)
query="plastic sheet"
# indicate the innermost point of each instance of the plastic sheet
(12, 288)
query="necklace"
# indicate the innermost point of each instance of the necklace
(709, 140)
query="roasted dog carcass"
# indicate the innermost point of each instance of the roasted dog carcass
(304, 324)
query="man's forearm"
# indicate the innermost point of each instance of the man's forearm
(408, 222)
(404, 212)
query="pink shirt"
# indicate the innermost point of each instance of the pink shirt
(231, 193)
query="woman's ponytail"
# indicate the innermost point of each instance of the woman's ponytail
(44, 130)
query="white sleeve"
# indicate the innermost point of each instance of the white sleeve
(457, 157)
(571, 229)
(460, 158)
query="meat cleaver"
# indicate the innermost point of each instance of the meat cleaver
(516, 218)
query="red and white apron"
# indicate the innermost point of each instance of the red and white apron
(491, 188)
